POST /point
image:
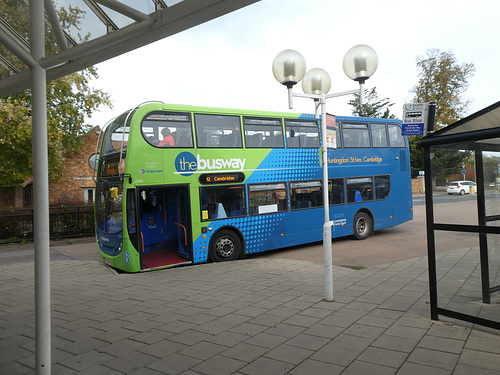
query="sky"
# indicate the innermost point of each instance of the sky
(227, 62)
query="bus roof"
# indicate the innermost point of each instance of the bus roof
(157, 106)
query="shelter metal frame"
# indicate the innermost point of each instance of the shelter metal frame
(479, 132)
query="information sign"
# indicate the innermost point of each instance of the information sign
(331, 132)
(415, 118)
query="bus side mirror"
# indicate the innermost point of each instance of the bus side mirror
(113, 193)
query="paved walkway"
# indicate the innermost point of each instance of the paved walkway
(257, 316)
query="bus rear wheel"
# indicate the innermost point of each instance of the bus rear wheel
(362, 226)
(226, 245)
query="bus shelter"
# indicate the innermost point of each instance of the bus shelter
(463, 231)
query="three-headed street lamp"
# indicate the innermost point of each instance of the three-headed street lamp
(289, 68)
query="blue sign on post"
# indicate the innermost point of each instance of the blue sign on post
(413, 129)
(463, 171)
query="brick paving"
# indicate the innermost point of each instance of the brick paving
(254, 316)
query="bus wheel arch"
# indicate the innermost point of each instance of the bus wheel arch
(226, 244)
(362, 225)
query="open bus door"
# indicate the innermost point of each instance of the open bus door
(164, 226)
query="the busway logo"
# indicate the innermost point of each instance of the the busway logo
(187, 164)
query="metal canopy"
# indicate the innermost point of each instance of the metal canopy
(479, 131)
(108, 28)
(44, 47)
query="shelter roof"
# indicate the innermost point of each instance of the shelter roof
(81, 33)
(480, 131)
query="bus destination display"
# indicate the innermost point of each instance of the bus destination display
(221, 178)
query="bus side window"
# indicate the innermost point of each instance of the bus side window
(263, 132)
(216, 131)
(379, 135)
(336, 191)
(222, 202)
(382, 186)
(306, 194)
(359, 189)
(356, 135)
(302, 133)
(165, 129)
(396, 138)
(267, 198)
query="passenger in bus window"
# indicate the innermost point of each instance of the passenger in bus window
(168, 140)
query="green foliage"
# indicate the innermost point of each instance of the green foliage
(446, 162)
(69, 100)
(441, 79)
(416, 156)
(373, 107)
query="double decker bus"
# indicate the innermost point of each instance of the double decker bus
(180, 185)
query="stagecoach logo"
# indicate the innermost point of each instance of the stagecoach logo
(144, 171)
(187, 164)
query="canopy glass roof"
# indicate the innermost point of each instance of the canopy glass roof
(80, 33)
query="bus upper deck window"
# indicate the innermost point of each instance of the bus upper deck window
(263, 133)
(356, 135)
(396, 138)
(217, 131)
(302, 134)
(379, 135)
(164, 129)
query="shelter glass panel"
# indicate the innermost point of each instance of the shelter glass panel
(455, 200)
(460, 278)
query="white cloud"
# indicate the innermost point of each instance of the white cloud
(227, 62)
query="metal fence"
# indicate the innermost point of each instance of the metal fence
(65, 222)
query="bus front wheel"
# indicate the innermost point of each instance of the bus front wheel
(225, 246)
(362, 226)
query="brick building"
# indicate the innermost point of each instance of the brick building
(76, 186)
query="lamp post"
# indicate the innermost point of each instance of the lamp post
(289, 68)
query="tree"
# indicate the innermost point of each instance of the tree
(69, 100)
(441, 79)
(373, 107)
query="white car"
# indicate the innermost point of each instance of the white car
(461, 187)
